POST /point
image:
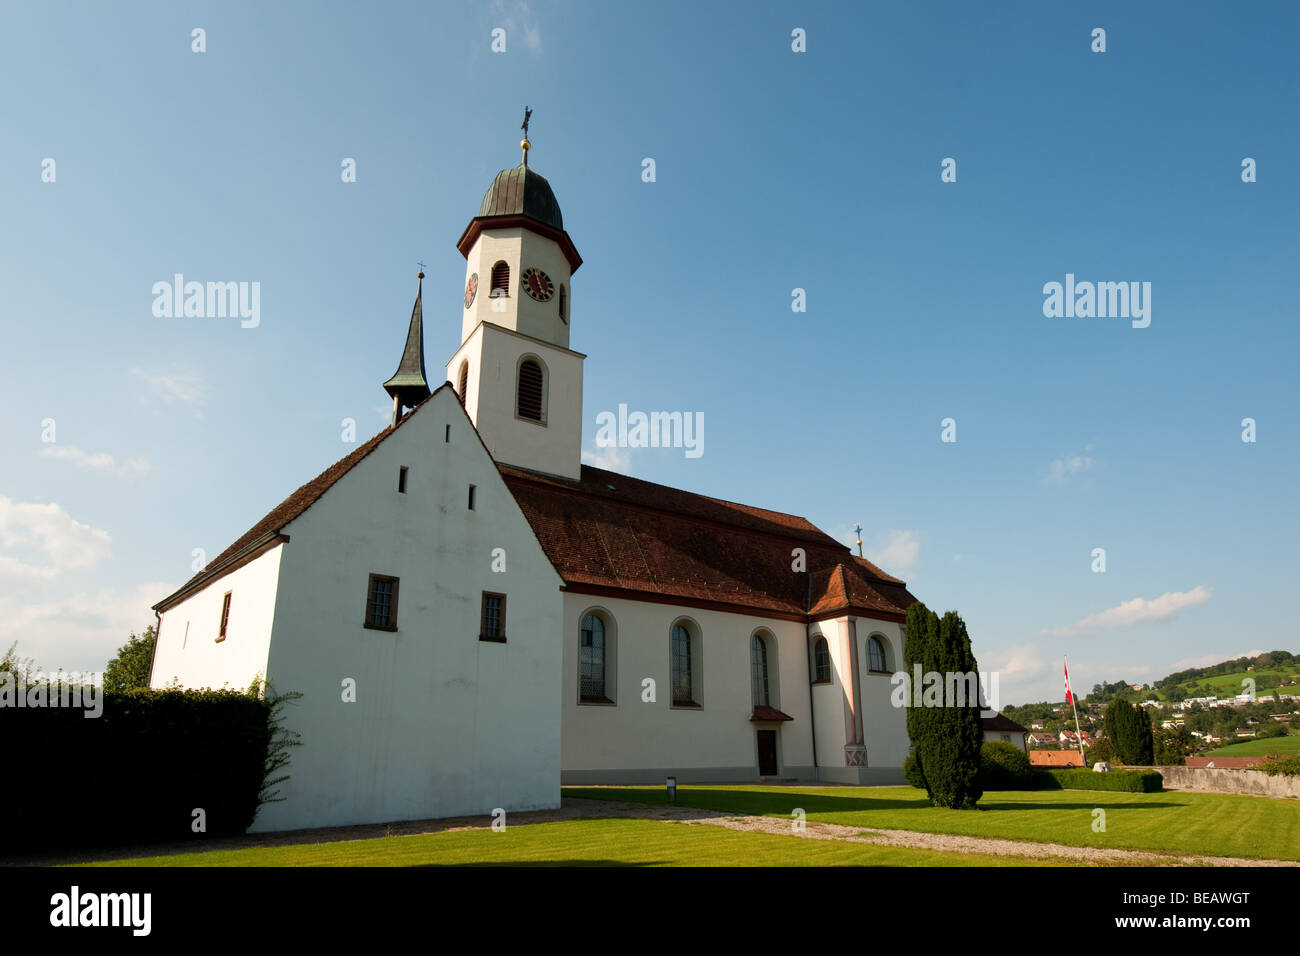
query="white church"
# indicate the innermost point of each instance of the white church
(474, 618)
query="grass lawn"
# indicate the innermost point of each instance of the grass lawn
(617, 842)
(1178, 822)
(1257, 748)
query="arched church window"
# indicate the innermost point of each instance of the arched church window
(564, 305)
(591, 659)
(464, 380)
(683, 683)
(500, 279)
(821, 662)
(758, 667)
(529, 402)
(875, 654)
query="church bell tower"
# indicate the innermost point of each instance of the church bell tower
(520, 382)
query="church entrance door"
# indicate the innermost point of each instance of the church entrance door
(766, 753)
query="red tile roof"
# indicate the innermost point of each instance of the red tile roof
(1055, 758)
(611, 533)
(768, 713)
(615, 533)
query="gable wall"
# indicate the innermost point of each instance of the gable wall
(443, 724)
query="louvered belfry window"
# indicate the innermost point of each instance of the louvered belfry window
(530, 391)
(464, 380)
(500, 279)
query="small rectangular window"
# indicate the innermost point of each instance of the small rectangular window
(401, 480)
(381, 603)
(472, 489)
(225, 618)
(446, 436)
(493, 626)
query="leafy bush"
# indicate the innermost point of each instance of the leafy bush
(1126, 781)
(1287, 767)
(137, 772)
(1004, 766)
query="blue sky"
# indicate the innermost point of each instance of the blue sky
(775, 170)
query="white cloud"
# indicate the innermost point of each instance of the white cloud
(610, 459)
(1137, 611)
(896, 551)
(95, 461)
(1018, 663)
(183, 388)
(81, 632)
(1064, 468)
(518, 19)
(68, 545)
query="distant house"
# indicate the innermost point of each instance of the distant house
(1041, 740)
(1055, 758)
(1245, 731)
(1035, 725)
(1071, 739)
(1002, 728)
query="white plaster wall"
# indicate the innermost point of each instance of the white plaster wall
(633, 735)
(443, 724)
(494, 356)
(521, 249)
(830, 699)
(884, 726)
(187, 649)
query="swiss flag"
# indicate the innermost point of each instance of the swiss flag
(1068, 699)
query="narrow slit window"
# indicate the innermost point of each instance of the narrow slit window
(225, 617)
(401, 480)
(446, 436)
(473, 489)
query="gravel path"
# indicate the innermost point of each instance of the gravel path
(575, 808)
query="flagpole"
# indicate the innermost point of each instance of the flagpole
(1074, 702)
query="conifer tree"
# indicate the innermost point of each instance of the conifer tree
(946, 739)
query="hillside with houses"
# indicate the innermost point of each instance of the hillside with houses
(1250, 704)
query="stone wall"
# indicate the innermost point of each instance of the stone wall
(1230, 781)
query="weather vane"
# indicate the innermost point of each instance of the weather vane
(858, 528)
(523, 143)
(420, 263)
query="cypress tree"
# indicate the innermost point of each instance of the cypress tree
(946, 739)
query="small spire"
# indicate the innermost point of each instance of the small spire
(409, 386)
(858, 528)
(523, 143)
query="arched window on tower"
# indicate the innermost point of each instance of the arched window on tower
(529, 401)
(500, 279)
(564, 305)
(463, 383)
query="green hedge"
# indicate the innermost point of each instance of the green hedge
(137, 772)
(1128, 781)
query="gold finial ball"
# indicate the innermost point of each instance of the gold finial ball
(420, 275)
(524, 144)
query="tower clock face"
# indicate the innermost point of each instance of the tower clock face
(538, 284)
(471, 288)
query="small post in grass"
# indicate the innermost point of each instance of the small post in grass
(672, 789)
